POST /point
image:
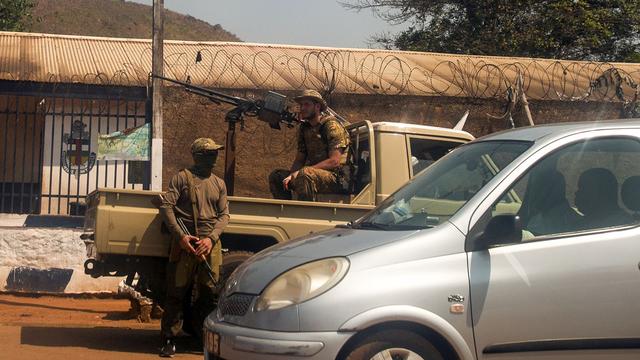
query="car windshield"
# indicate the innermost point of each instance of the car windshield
(441, 190)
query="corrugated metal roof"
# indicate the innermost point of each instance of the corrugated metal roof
(94, 60)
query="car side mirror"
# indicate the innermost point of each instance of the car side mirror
(501, 230)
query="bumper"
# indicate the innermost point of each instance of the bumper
(240, 343)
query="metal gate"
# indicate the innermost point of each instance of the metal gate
(48, 144)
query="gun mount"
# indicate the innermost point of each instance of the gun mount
(272, 110)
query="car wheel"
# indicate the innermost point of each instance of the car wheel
(394, 345)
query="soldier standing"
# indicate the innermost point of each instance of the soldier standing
(199, 199)
(320, 162)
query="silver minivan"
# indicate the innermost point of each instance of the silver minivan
(520, 245)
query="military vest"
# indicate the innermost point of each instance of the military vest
(315, 141)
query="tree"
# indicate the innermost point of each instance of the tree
(600, 30)
(15, 15)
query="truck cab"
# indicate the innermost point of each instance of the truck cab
(388, 154)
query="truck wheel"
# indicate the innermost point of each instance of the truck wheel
(396, 345)
(230, 262)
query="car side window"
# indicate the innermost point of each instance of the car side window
(584, 186)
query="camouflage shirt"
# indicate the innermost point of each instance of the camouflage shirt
(316, 141)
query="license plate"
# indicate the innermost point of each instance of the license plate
(212, 343)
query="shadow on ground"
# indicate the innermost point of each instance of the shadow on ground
(119, 315)
(109, 315)
(41, 306)
(104, 339)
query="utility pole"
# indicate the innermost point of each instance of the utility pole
(157, 66)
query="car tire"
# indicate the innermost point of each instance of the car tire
(396, 345)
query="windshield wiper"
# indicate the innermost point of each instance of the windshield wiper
(348, 225)
(371, 225)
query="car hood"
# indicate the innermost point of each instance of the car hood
(256, 273)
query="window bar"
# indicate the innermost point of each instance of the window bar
(73, 105)
(106, 162)
(24, 155)
(38, 202)
(4, 155)
(92, 105)
(115, 170)
(64, 101)
(15, 150)
(79, 162)
(33, 159)
(53, 136)
(126, 126)
(148, 115)
(98, 162)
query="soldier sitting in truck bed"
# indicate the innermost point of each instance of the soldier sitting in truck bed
(320, 163)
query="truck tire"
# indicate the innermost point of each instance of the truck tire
(394, 344)
(230, 262)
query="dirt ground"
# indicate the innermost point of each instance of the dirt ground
(79, 328)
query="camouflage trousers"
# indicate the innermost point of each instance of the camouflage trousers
(306, 185)
(188, 283)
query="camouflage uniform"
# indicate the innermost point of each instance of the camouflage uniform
(184, 270)
(316, 142)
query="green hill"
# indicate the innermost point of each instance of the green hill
(117, 18)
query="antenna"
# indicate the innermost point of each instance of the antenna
(462, 121)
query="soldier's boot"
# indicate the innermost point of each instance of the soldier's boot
(275, 184)
(168, 348)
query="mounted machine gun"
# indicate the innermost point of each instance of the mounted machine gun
(272, 110)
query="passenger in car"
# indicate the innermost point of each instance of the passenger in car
(630, 194)
(545, 208)
(597, 200)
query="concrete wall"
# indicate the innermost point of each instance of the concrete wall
(39, 259)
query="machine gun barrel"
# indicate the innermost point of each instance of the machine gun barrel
(211, 94)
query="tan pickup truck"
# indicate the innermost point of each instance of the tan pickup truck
(125, 235)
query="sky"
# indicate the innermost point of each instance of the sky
(294, 22)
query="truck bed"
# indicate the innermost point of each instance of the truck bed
(126, 222)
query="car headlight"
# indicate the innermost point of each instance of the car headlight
(302, 283)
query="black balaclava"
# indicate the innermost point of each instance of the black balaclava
(203, 163)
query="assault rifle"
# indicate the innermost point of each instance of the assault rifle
(272, 110)
(204, 262)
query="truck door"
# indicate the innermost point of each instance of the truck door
(562, 280)
(363, 163)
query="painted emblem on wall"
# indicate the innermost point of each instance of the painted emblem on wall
(77, 158)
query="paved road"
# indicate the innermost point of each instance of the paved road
(55, 328)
